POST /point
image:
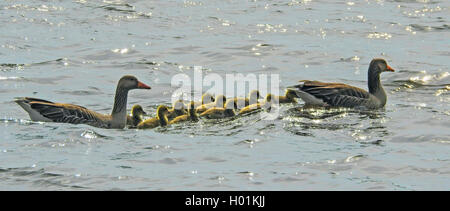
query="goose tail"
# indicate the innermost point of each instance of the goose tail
(24, 102)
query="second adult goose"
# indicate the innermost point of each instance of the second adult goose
(342, 95)
(46, 111)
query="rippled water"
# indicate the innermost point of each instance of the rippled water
(76, 51)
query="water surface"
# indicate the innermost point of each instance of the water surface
(75, 52)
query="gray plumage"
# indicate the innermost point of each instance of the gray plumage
(47, 111)
(342, 95)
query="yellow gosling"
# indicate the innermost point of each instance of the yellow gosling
(190, 116)
(254, 96)
(240, 102)
(136, 116)
(253, 107)
(220, 100)
(206, 98)
(218, 113)
(177, 109)
(289, 97)
(159, 120)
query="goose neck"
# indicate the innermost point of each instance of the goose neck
(375, 87)
(119, 111)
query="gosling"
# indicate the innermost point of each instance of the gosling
(159, 120)
(206, 98)
(218, 113)
(219, 103)
(177, 109)
(136, 116)
(254, 107)
(252, 98)
(190, 116)
(289, 97)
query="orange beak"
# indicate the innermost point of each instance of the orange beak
(389, 68)
(143, 86)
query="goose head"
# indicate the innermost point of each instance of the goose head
(161, 114)
(162, 110)
(179, 107)
(220, 101)
(207, 98)
(253, 96)
(268, 98)
(136, 115)
(129, 82)
(137, 111)
(377, 66)
(268, 101)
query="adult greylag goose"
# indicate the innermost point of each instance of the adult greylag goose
(240, 102)
(135, 116)
(220, 112)
(177, 109)
(190, 116)
(46, 111)
(318, 93)
(219, 103)
(289, 97)
(159, 120)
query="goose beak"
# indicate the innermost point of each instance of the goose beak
(143, 86)
(389, 68)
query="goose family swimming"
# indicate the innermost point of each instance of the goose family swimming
(318, 93)
(47, 111)
(313, 93)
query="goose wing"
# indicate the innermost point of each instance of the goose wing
(31, 99)
(335, 94)
(67, 113)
